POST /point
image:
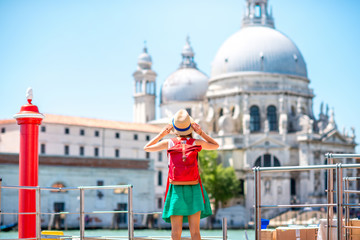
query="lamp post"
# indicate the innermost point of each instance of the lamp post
(29, 120)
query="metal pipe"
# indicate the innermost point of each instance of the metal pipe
(67, 188)
(352, 227)
(38, 214)
(130, 213)
(256, 170)
(259, 203)
(106, 187)
(330, 198)
(296, 205)
(339, 199)
(0, 199)
(82, 217)
(347, 209)
(146, 213)
(351, 191)
(352, 178)
(224, 228)
(304, 168)
(332, 155)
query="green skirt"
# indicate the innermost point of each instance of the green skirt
(185, 200)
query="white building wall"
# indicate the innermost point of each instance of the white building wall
(143, 191)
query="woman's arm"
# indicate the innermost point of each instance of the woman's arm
(154, 144)
(209, 143)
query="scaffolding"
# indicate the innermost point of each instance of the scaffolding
(339, 204)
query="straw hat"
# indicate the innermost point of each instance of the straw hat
(182, 123)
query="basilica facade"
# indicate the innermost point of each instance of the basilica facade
(258, 105)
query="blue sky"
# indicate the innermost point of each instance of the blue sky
(79, 56)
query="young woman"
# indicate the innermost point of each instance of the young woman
(184, 203)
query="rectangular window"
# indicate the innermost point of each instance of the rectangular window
(42, 148)
(147, 155)
(122, 217)
(160, 202)
(96, 152)
(117, 153)
(43, 129)
(147, 138)
(241, 187)
(100, 182)
(82, 151)
(82, 132)
(159, 178)
(3, 130)
(67, 131)
(293, 186)
(160, 156)
(135, 137)
(66, 150)
(117, 135)
(97, 133)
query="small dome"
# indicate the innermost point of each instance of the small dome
(144, 60)
(185, 84)
(259, 49)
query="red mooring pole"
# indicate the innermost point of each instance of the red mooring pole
(29, 120)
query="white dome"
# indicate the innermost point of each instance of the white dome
(185, 84)
(259, 49)
(144, 60)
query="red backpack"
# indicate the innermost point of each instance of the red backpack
(183, 163)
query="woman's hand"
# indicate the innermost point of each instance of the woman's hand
(154, 145)
(166, 130)
(197, 128)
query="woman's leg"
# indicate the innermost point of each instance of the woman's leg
(176, 227)
(194, 225)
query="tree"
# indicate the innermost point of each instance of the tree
(220, 183)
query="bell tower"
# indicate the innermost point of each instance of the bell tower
(256, 13)
(144, 89)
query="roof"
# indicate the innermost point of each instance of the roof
(93, 122)
(259, 49)
(80, 161)
(185, 84)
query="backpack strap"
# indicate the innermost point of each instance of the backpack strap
(167, 187)
(202, 190)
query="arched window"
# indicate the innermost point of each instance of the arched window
(254, 119)
(232, 111)
(293, 111)
(267, 160)
(276, 162)
(221, 112)
(272, 118)
(258, 162)
(257, 11)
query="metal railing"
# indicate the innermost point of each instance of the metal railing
(82, 212)
(330, 167)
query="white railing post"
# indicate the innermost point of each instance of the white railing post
(339, 199)
(82, 217)
(224, 228)
(38, 213)
(130, 213)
